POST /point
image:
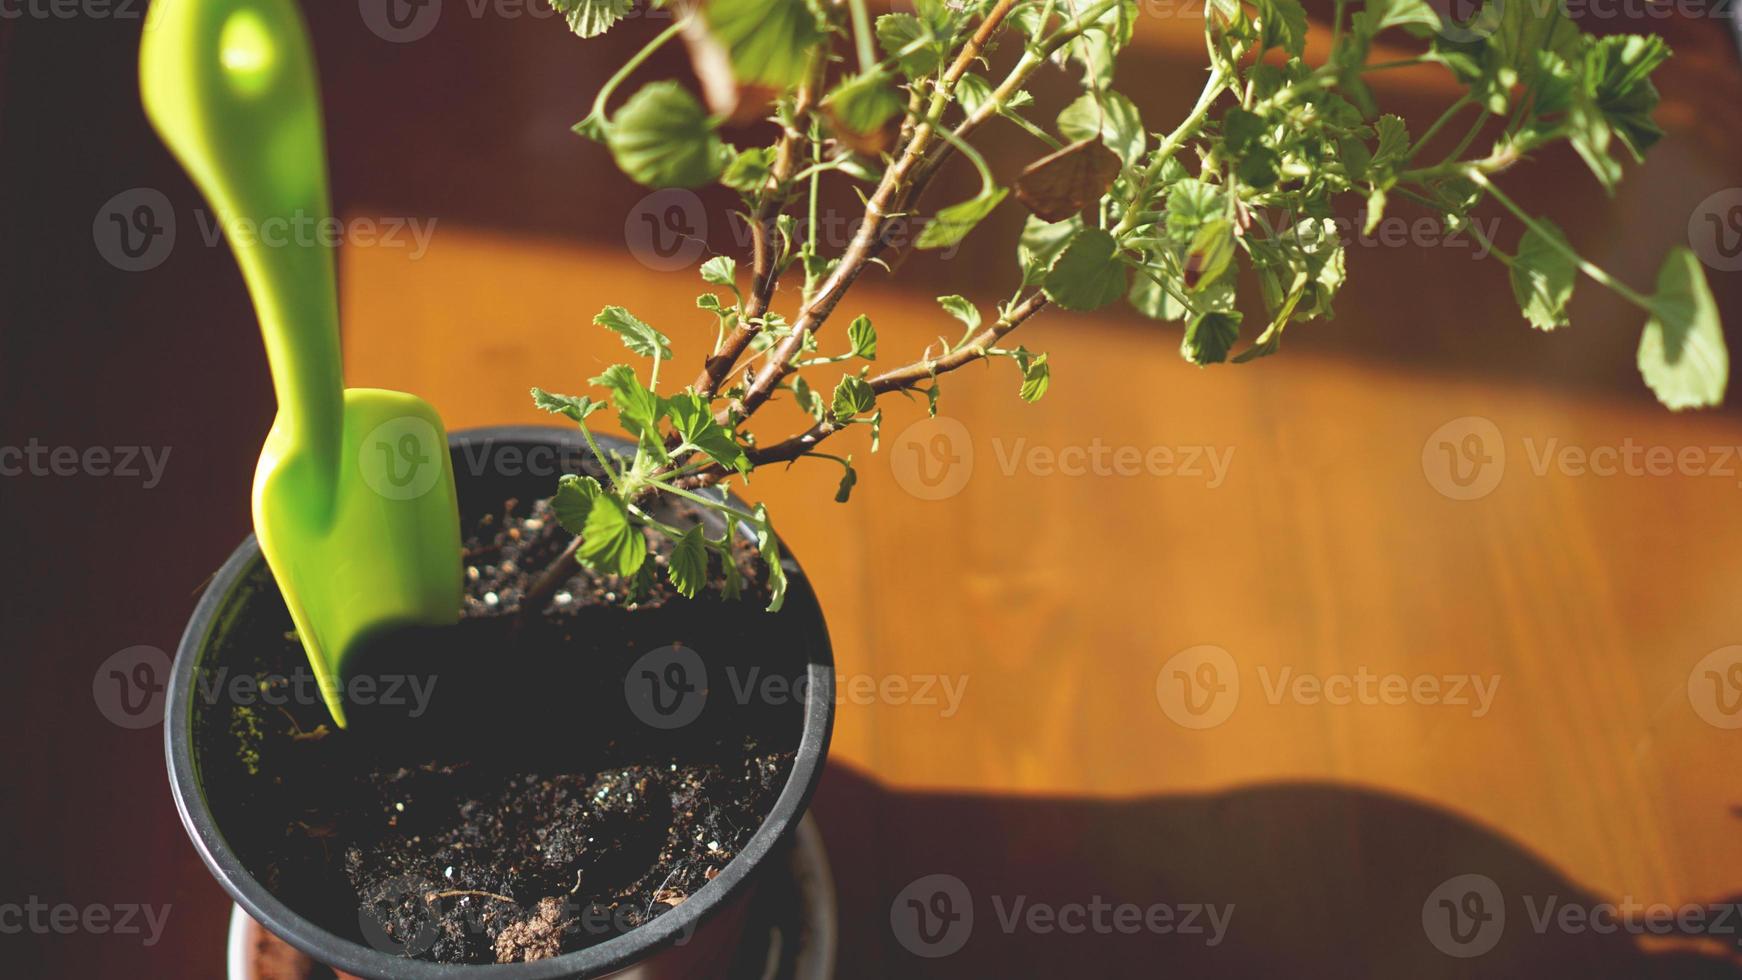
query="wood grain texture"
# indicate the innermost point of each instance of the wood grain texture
(1324, 550)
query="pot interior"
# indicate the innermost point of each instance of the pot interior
(588, 753)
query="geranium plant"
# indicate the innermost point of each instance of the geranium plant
(1162, 218)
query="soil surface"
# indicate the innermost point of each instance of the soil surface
(501, 794)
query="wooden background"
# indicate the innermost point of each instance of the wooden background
(1053, 601)
(1059, 601)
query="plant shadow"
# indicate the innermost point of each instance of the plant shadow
(1325, 881)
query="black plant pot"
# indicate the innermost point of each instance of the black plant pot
(694, 939)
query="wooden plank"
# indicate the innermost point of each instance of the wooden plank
(1324, 549)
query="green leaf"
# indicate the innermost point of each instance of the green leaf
(577, 408)
(1209, 337)
(1284, 25)
(1543, 277)
(863, 336)
(1151, 299)
(693, 418)
(769, 41)
(1258, 169)
(808, 400)
(749, 170)
(1036, 378)
(953, 223)
(1114, 118)
(962, 310)
(1392, 144)
(1618, 73)
(662, 138)
(732, 583)
(1042, 242)
(574, 498)
(862, 104)
(853, 397)
(1211, 253)
(1682, 353)
(637, 336)
(1416, 15)
(1190, 203)
(610, 542)
(591, 18)
(769, 546)
(638, 408)
(910, 42)
(1088, 274)
(721, 270)
(849, 480)
(688, 565)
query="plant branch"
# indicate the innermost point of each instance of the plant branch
(764, 268)
(882, 203)
(900, 379)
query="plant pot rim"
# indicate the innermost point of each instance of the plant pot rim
(595, 961)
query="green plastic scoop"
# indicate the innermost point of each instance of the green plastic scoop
(354, 499)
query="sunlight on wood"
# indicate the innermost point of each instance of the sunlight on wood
(1019, 635)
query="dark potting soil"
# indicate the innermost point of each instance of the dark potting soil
(501, 792)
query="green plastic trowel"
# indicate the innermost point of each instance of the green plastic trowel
(354, 499)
